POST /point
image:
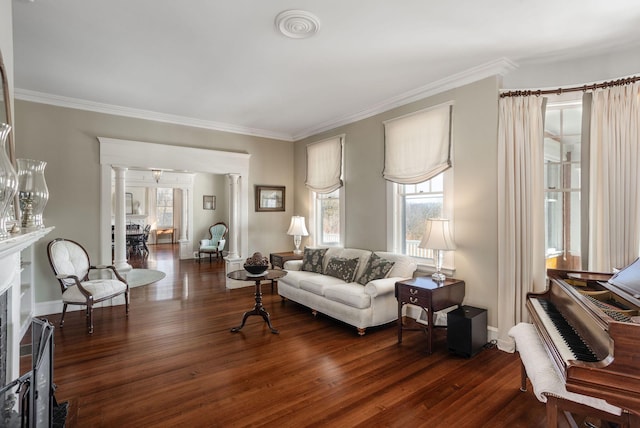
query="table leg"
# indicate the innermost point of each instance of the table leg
(257, 310)
(430, 330)
(400, 322)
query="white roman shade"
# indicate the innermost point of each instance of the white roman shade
(417, 147)
(324, 165)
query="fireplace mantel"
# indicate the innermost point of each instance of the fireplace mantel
(16, 279)
(14, 245)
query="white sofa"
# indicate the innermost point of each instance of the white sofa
(356, 304)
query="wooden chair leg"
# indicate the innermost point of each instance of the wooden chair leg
(90, 312)
(64, 312)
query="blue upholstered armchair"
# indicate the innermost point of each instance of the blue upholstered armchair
(215, 244)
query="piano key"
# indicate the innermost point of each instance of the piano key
(568, 342)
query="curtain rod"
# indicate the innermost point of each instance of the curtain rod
(559, 91)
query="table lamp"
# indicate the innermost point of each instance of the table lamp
(298, 230)
(437, 237)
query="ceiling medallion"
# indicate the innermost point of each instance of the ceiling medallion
(297, 24)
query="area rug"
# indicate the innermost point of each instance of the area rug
(140, 277)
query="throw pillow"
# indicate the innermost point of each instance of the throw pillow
(377, 268)
(341, 268)
(312, 259)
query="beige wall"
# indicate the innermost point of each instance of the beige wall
(66, 139)
(209, 184)
(475, 121)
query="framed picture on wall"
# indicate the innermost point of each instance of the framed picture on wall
(270, 198)
(208, 202)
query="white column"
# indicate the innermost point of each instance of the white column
(120, 238)
(185, 212)
(234, 212)
(186, 248)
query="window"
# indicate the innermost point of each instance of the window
(414, 204)
(327, 215)
(562, 183)
(164, 206)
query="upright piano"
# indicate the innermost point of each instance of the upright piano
(589, 324)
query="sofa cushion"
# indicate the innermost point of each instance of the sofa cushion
(317, 284)
(344, 269)
(351, 294)
(377, 268)
(294, 277)
(348, 253)
(312, 260)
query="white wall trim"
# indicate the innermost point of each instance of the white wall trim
(76, 103)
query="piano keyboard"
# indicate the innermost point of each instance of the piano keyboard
(568, 342)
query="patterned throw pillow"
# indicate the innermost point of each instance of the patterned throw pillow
(377, 268)
(341, 268)
(312, 259)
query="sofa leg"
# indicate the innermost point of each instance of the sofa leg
(314, 312)
(361, 331)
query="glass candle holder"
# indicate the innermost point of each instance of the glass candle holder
(32, 192)
(8, 180)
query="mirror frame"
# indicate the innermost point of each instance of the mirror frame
(10, 143)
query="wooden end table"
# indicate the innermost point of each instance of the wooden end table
(258, 309)
(431, 297)
(279, 259)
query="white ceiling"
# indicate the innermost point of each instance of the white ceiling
(221, 64)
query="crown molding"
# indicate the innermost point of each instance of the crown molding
(75, 103)
(500, 67)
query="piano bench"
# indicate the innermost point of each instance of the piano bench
(555, 404)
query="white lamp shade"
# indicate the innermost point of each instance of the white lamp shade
(437, 235)
(297, 227)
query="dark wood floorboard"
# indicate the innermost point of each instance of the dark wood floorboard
(174, 362)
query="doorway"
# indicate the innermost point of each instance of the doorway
(136, 154)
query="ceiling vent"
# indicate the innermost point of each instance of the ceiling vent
(297, 24)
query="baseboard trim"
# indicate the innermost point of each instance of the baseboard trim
(55, 306)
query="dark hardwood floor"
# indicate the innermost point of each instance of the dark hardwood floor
(174, 362)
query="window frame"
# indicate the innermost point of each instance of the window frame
(317, 224)
(157, 207)
(395, 219)
(561, 103)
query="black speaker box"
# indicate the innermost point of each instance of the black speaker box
(466, 330)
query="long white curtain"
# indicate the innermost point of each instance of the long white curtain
(521, 265)
(177, 213)
(614, 234)
(153, 213)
